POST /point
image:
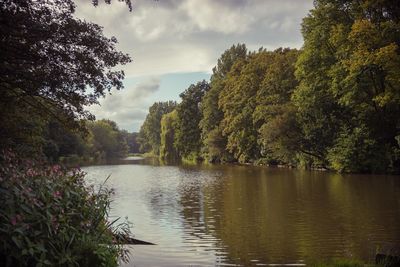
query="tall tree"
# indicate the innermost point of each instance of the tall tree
(149, 135)
(274, 111)
(318, 113)
(188, 134)
(348, 98)
(48, 60)
(168, 150)
(238, 102)
(211, 132)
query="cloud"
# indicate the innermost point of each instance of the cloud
(184, 36)
(170, 36)
(129, 106)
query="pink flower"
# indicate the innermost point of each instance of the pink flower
(56, 168)
(57, 194)
(14, 220)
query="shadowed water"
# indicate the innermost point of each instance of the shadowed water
(226, 215)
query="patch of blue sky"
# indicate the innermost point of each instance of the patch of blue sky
(171, 84)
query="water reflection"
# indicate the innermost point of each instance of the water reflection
(250, 216)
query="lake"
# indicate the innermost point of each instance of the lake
(231, 215)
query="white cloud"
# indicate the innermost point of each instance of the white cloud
(216, 16)
(182, 36)
(128, 106)
(169, 36)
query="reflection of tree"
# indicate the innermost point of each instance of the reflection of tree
(271, 215)
(254, 211)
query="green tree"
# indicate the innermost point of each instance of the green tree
(107, 142)
(61, 142)
(238, 103)
(213, 140)
(149, 135)
(48, 60)
(350, 81)
(131, 140)
(168, 150)
(188, 133)
(318, 113)
(274, 112)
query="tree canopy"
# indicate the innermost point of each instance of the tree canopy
(334, 104)
(52, 64)
(149, 136)
(348, 98)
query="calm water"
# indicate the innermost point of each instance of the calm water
(251, 216)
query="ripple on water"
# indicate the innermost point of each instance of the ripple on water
(251, 216)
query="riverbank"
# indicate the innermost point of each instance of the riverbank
(51, 217)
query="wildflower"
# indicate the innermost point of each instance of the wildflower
(57, 194)
(56, 168)
(14, 220)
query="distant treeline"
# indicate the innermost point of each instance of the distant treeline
(334, 104)
(94, 142)
(102, 141)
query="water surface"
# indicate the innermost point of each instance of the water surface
(226, 215)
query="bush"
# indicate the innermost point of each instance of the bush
(50, 217)
(355, 151)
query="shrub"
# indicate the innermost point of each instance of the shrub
(50, 217)
(356, 151)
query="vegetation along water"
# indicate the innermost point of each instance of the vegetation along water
(332, 104)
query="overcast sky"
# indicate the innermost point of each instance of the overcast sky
(174, 43)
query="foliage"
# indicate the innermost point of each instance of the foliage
(213, 140)
(279, 138)
(335, 104)
(348, 74)
(48, 60)
(256, 91)
(356, 151)
(61, 142)
(168, 150)
(149, 135)
(216, 146)
(274, 115)
(50, 217)
(131, 140)
(106, 140)
(188, 132)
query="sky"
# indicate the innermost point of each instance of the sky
(174, 43)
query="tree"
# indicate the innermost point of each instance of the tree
(238, 103)
(188, 134)
(274, 114)
(168, 150)
(211, 133)
(149, 135)
(107, 141)
(349, 81)
(48, 61)
(60, 142)
(317, 111)
(127, 2)
(131, 140)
